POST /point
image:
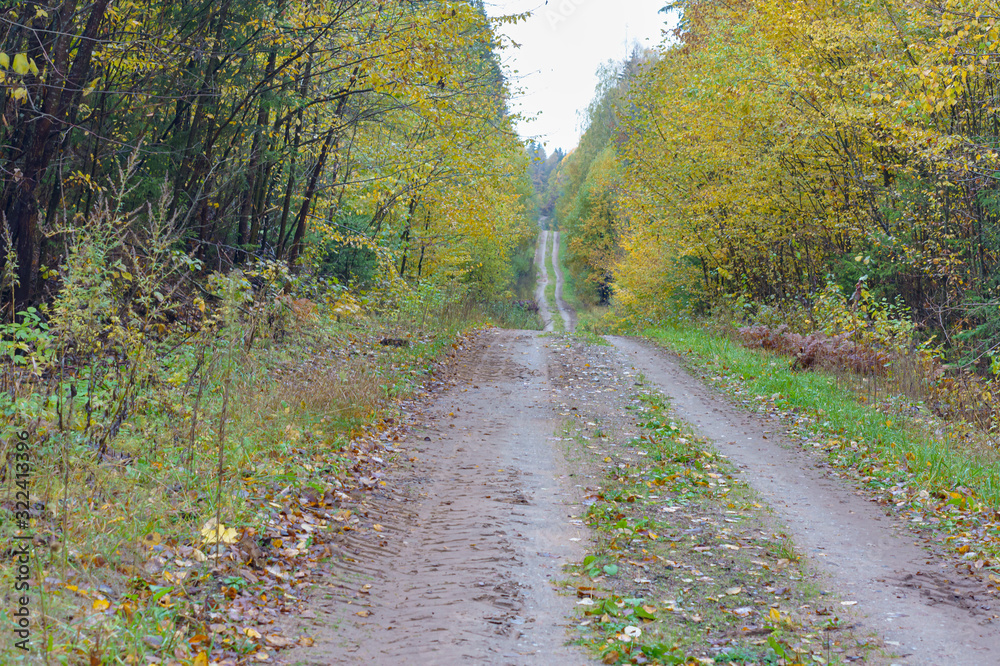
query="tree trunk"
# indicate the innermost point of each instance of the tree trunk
(19, 203)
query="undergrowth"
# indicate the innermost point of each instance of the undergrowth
(168, 430)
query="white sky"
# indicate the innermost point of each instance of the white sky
(562, 45)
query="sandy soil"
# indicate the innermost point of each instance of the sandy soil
(543, 282)
(483, 519)
(917, 603)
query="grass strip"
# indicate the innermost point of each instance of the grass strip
(559, 326)
(688, 567)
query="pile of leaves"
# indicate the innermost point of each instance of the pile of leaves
(818, 350)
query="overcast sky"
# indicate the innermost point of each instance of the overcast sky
(562, 45)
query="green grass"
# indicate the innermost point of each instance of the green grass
(887, 448)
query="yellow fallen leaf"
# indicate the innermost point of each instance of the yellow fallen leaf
(101, 604)
(363, 613)
(377, 527)
(276, 640)
(775, 615)
(252, 633)
(214, 533)
(201, 659)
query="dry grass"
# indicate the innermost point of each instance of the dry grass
(99, 516)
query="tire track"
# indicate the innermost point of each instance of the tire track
(567, 313)
(543, 282)
(481, 525)
(910, 597)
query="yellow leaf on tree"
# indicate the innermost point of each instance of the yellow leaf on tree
(21, 64)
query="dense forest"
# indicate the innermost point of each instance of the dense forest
(782, 160)
(340, 138)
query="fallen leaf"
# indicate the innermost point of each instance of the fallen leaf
(214, 532)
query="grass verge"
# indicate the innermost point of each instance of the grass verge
(588, 316)
(559, 326)
(205, 517)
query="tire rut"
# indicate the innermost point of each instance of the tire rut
(567, 313)
(543, 281)
(462, 570)
(928, 613)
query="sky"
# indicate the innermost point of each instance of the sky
(561, 47)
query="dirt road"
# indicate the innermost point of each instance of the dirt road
(480, 521)
(467, 534)
(542, 282)
(917, 603)
(566, 313)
